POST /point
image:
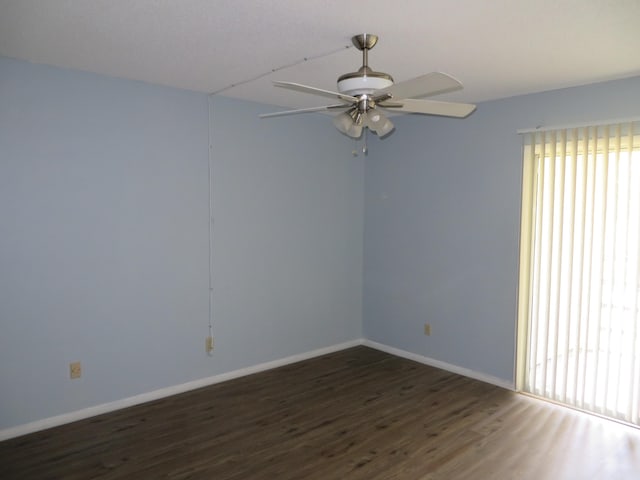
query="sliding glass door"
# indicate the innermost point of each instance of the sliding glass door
(579, 328)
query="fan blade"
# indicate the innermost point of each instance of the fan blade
(433, 83)
(432, 107)
(316, 91)
(304, 110)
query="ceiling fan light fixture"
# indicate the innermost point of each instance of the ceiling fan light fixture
(355, 130)
(350, 123)
(378, 122)
(385, 128)
(343, 122)
(374, 117)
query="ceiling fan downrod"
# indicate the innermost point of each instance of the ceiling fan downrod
(365, 80)
(365, 42)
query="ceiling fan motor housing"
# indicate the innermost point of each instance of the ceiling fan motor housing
(359, 84)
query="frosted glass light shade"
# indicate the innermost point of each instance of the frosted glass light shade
(378, 122)
(355, 130)
(347, 125)
(385, 128)
(343, 122)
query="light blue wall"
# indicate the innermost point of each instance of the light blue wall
(288, 208)
(104, 234)
(104, 238)
(442, 210)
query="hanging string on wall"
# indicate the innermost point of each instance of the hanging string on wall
(282, 67)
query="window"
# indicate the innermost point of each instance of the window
(579, 293)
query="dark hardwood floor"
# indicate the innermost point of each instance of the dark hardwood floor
(354, 414)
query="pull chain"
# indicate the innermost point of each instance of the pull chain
(365, 148)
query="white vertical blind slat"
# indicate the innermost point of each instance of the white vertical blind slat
(537, 235)
(588, 257)
(579, 279)
(570, 377)
(600, 337)
(555, 319)
(622, 219)
(633, 408)
(549, 210)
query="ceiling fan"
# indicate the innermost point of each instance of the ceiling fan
(366, 94)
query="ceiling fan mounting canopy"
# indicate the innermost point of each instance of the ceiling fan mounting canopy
(365, 95)
(364, 41)
(365, 80)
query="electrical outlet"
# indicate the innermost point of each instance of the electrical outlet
(427, 329)
(75, 370)
(208, 344)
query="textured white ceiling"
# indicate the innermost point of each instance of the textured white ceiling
(497, 48)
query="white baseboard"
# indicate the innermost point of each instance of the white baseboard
(442, 365)
(58, 420)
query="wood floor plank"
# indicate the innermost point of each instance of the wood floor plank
(355, 414)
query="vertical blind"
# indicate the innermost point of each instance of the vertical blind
(579, 290)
